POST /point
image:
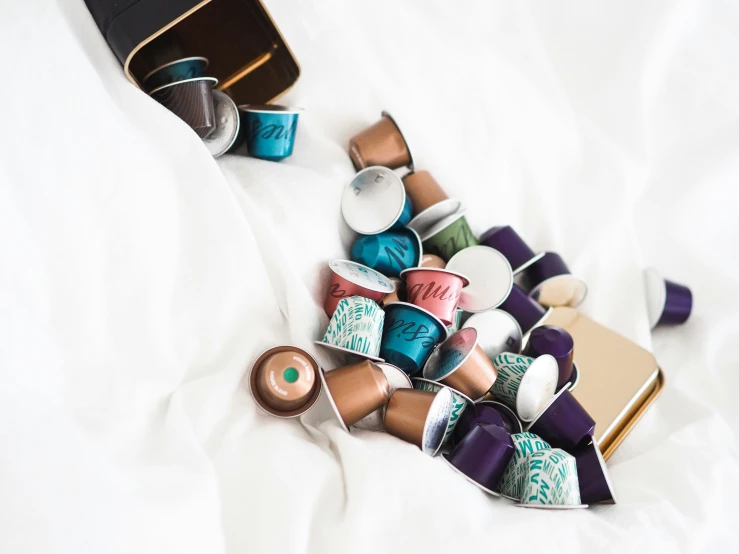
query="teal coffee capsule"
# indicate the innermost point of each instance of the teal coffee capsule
(551, 481)
(355, 328)
(514, 478)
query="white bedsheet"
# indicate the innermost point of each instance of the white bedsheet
(139, 277)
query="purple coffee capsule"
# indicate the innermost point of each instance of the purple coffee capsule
(592, 473)
(563, 423)
(550, 282)
(523, 309)
(474, 415)
(482, 456)
(511, 423)
(668, 303)
(556, 342)
(508, 242)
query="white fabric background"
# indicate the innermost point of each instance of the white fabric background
(139, 277)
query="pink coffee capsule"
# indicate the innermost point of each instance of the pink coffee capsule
(353, 279)
(436, 290)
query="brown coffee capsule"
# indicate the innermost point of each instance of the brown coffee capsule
(380, 144)
(423, 190)
(419, 417)
(192, 101)
(284, 381)
(398, 295)
(356, 390)
(432, 260)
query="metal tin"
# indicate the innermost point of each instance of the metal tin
(514, 477)
(490, 275)
(432, 215)
(381, 144)
(375, 201)
(284, 381)
(668, 303)
(592, 474)
(497, 332)
(511, 423)
(449, 236)
(563, 423)
(505, 240)
(424, 191)
(551, 480)
(355, 391)
(192, 101)
(352, 279)
(460, 363)
(525, 384)
(524, 310)
(419, 417)
(551, 284)
(459, 401)
(483, 455)
(389, 252)
(396, 379)
(435, 290)
(432, 260)
(409, 335)
(178, 70)
(228, 123)
(613, 397)
(270, 131)
(556, 342)
(355, 328)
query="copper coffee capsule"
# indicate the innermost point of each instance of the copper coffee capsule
(356, 390)
(423, 190)
(420, 417)
(381, 144)
(284, 381)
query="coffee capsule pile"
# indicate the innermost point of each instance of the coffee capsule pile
(444, 340)
(182, 87)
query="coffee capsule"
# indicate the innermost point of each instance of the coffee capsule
(435, 290)
(389, 252)
(432, 215)
(284, 381)
(355, 328)
(192, 101)
(396, 379)
(380, 144)
(419, 417)
(228, 122)
(355, 391)
(178, 70)
(592, 475)
(432, 260)
(375, 201)
(508, 242)
(668, 303)
(514, 477)
(398, 295)
(551, 481)
(551, 284)
(352, 279)
(425, 192)
(511, 423)
(563, 422)
(525, 384)
(460, 363)
(489, 274)
(459, 401)
(449, 236)
(497, 332)
(473, 415)
(556, 342)
(526, 311)
(409, 335)
(270, 130)
(482, 456)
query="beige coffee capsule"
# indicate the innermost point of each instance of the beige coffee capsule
(356, 390)
(380, 144)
